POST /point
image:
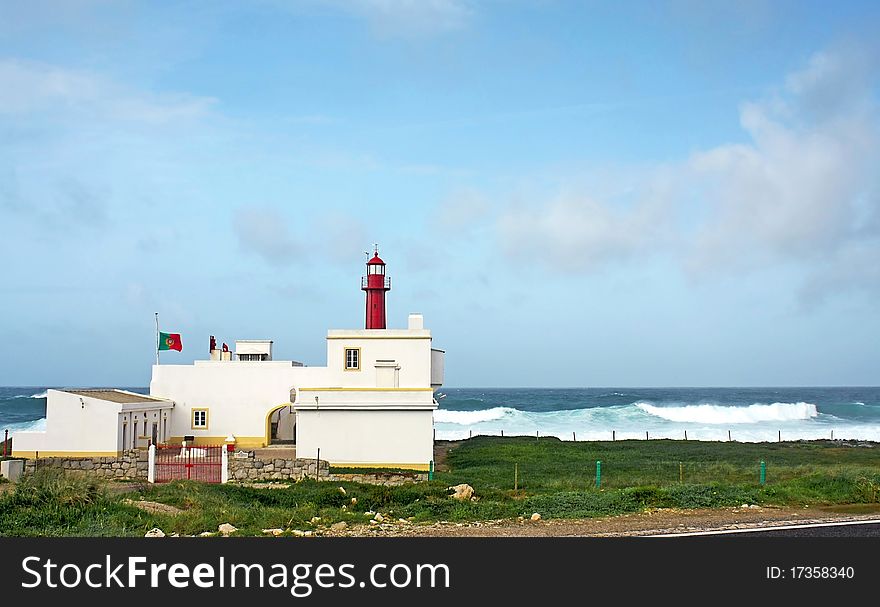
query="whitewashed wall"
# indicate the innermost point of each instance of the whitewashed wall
(72, 428)
(399, 438)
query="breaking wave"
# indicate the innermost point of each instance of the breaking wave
(718, 414)
(34, 425)
(465, 418)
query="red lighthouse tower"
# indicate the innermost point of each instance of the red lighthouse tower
(375, 283)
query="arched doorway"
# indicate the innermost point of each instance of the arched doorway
(282, 426)
(281, 423)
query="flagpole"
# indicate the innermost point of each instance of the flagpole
(157, 338)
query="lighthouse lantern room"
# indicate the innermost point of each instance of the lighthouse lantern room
(375, 284)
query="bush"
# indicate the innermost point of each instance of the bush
(52, 487)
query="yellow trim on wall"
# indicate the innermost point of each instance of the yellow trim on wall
(250, 442)
(366, 389)
(192, 418)
(244, 442)
(84, 454)
(345, 366)
(414, 467)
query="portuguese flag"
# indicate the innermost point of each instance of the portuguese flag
(170, 341)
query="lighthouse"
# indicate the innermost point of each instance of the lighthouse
(375, 283)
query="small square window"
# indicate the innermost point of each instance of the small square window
(200, 419)
(352, 359)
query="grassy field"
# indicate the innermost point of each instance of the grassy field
(554, 478)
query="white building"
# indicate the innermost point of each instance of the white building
(372, 405)
(93, 423)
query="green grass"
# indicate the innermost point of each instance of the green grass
(556, 479)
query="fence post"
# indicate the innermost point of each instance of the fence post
(151, 464)
(318, 464)
(598, 473)
(680, 473)
(515, 476)
(614, 435)
(431, 470)
(224, 465)
(763, 472)
(6, 439)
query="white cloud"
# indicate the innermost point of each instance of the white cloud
(28, 87)
(264, 232)
(577, 233)
(803, 190)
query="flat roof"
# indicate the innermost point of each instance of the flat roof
(115, 396)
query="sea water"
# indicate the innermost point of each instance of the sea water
(740, 414)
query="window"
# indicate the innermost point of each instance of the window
(352, 359)
(200, 419)
(257, 357)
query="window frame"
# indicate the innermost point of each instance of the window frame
(192, 419)
(345, 352)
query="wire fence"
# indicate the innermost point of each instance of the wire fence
(620, 474)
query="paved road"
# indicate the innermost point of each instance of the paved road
(862, 528)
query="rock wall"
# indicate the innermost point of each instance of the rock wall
(253, 468)
(388, 479)
(131, 465)
(246, 466)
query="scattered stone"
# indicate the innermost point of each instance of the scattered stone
(369, 513)
(374, 522)
(463, 492)
(535, 517)
(754, 506)
(276, 532)
(340, 526)
(354, 501)
(744, 506)
(207, 534)
(155, 532)
(298, 532)
(308, 533)
(378, 518)
(315, 520)
(342, 490)
(403, 520)
(226, 529)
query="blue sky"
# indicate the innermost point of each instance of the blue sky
(572, 193)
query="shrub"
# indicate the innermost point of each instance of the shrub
(52, 487)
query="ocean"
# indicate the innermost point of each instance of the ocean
(742, 414)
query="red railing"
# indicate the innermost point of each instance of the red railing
(202, 463)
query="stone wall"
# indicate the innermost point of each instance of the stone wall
(247, 466)
(251, 468)
(131, 465)
(388, 479)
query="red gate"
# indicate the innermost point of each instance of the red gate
(202, 463)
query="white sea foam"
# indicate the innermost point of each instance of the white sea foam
(753, 423)
(35, 425)
(465, 418)
(719, 414)
(42, 394)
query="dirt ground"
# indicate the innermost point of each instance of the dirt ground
(650, 522)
